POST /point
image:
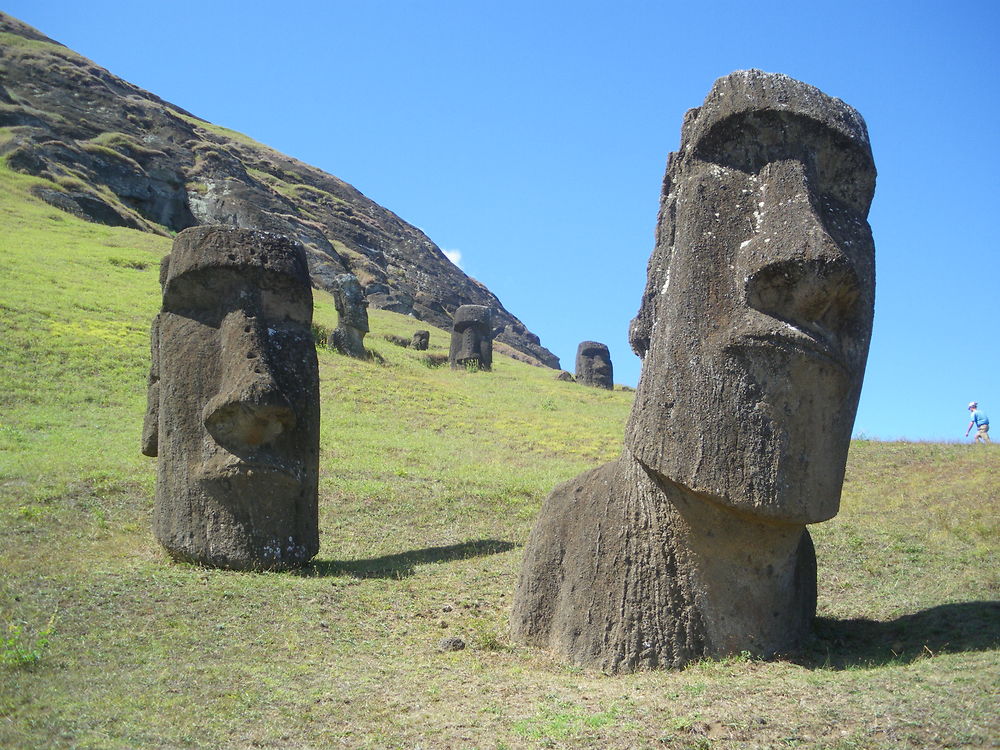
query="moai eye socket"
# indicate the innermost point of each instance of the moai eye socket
(840, 169)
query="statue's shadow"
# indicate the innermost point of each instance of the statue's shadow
(404, 564)
(949, 628)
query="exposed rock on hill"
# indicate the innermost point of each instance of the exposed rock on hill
(115, 154)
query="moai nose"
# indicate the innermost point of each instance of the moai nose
(250, 409)
(797, 272)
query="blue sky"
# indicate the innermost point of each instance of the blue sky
(531, 138)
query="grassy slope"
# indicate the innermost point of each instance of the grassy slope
(430, 481)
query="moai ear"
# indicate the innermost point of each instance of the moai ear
(164, 270)
(151, 422)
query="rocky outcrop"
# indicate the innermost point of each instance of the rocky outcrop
(115, 154)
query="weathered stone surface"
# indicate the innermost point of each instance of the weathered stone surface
(116, 154)
(472, 338)
(233, 406)
(565, 377)
(352, 317)
(593, 365)
(397, 340)
(754, 329)
(421, 340)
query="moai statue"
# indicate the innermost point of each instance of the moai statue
(593, 365)
(352, 317)
(421, 340)
(754, 331)
(233, 402)
(472, 338)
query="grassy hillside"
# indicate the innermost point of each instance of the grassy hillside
(430, 482)
(113, 152)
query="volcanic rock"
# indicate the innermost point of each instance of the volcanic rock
(115, 154)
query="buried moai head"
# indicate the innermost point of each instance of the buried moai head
(421, 340)
(756, 319)
(352, 316)
(472, 338)
(593, 365)
(233, 410)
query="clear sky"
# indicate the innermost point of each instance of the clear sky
(530, 138)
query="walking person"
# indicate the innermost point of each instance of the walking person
(982, 423)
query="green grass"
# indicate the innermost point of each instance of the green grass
(430, 482)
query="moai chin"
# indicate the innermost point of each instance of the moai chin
(421, 340)
(754, 330)
(593, 365)
(233, 403)
(472, 338)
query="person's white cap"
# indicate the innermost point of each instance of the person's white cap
(973, 404)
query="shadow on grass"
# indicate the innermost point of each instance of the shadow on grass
(404, 563)
(949, 628)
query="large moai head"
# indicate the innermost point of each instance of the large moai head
(352, 316)
(234, 402)
(593, 365)
(472, 338)
(756, 319)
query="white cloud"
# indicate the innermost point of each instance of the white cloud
(455, 256)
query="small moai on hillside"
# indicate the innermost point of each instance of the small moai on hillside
(472, 338)
(754, 330)
(421, 340)
(352, 317)
(233, 402)
(593, 365)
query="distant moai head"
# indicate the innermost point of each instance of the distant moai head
(757, 314)
(472, 337)
(349, 298)
(352, 316)
(233, 409)
(593, 365)
(421, 340)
